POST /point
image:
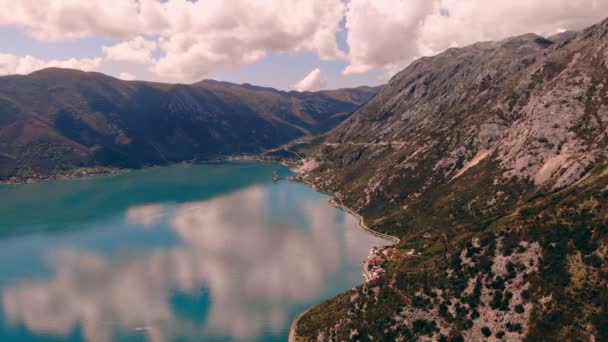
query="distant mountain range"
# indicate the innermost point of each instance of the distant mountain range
(55, 120)
(490, 163)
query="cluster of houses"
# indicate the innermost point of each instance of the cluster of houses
(372, 265)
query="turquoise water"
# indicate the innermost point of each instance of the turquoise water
(213, 252)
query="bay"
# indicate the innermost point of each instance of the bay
(189, 252)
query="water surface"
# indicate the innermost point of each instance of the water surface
(213, 252)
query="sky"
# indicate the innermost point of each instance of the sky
(286, 44)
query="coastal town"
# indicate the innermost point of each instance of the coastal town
(374, 263)
(31, 176)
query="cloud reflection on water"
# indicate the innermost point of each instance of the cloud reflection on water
(254, 268)
(145, 215)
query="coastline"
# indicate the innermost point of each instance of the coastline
(393, 241)
(85, 172)
(254, 158)
(293, 337)
(108, 171)
(82, 172)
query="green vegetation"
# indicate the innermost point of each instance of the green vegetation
(61, 119)
(566, 223)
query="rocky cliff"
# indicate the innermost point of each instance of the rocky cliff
(489, 162)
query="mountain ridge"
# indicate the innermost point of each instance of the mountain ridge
(490, 163)
(55, 120)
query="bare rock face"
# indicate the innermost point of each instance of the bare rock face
(562, 130)
(529, 110)
(429, 95)
(500, 147)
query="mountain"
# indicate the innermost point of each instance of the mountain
(55, 120)
(489, 163)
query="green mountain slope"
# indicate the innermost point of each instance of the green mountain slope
(57, 119)
(489, 162)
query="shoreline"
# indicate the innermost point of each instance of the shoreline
(77, 173)
(86, 172)
(253, 158)
(292, 337)
(395, 240)
(106, 171)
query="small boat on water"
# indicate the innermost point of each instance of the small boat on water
(276, 177)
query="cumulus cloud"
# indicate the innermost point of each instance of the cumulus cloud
(383, 33)
(54, 20)
(11, 64)
(313, 81)
(195, 37)
(214, 35)
(389, 34)
(127, 76)
(138, 51)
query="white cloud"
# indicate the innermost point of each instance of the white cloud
(8, 64)
(389, 34)
(54, 20)
(127, 77)
(138, 51)
(11, 64)
(313, 81)
(214, 35)
(382, 33)
(197, 37)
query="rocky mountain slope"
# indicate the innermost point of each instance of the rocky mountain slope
(55, 120)
(489, 162)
